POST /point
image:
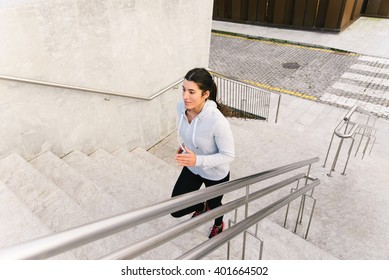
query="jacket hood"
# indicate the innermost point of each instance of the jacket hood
(209, 107)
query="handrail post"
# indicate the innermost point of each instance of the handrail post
(298, 214)
(303, 198)
(229, 225)
(288, 206)
(246, 212)
(310, 217)
(217, 241)
(278, 107)
(329, 148)
(245, 99)
(348, 157)
(308, 173)
(336, 157)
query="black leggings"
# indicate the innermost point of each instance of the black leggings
(189, 182)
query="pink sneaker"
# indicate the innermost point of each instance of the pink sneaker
(196, 213)
(215, 230)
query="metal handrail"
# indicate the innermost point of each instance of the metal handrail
(223, 237)
(349, 132)
(346, 134)
(241, 84)
(364, 111)
(234, 80)
(57, 243)
(113, 93)
(343, 134)
(106, 92)
(143, 246)
(349, 113)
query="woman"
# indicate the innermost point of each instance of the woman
(206, 143)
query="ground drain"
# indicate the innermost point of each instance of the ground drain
(291, 65)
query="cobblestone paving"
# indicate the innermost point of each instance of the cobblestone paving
(338, 78)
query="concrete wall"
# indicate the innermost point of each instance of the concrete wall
(135, 47)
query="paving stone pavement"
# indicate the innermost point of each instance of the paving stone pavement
(325, 75)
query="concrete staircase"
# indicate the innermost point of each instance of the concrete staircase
(49, 194)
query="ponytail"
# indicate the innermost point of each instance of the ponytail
(213, 95)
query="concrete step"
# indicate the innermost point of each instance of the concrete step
(161, 173)
(166, 149)
(155, 163)
(45, 199)
(126, 193)
(150, 163)
(50, 204)
(278, 244)
(138, 181)
(18, 224)
(132, 188)
(96, 203)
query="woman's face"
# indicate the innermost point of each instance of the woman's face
(193, 96)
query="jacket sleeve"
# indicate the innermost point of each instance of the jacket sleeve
(225, 147)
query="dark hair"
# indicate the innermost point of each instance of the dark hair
(204, 80)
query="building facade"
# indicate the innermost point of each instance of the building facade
(131, 47)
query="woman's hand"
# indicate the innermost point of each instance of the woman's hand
(186, 159)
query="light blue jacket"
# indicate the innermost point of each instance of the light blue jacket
(209, 136)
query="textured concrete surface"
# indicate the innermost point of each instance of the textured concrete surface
(134, 47)
(320, 74)
(367, 35)
(97, 203)
(129, 47)
(18, 217)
